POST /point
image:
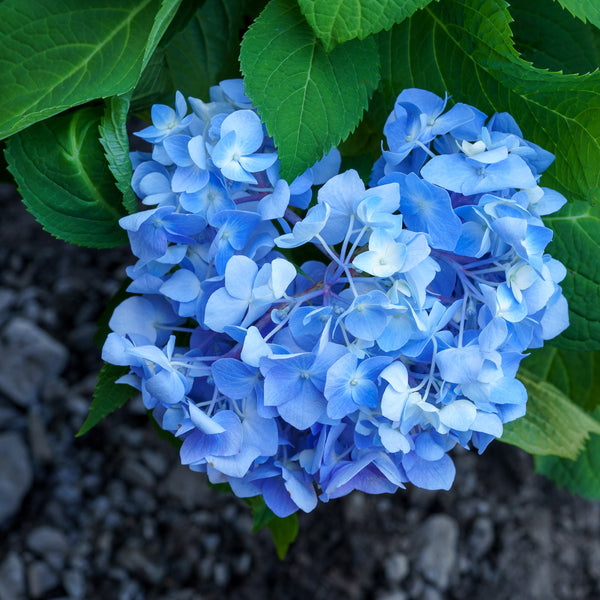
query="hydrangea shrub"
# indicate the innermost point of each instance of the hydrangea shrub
(328, 295)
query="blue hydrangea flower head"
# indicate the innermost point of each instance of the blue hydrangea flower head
(312, 337)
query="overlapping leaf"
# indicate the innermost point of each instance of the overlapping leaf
(575, 373)
(308, 98)
(114, 140)
(552, 425)
(586, 10)
(335, 21)
(577, 243)
(581, 476)
(56, 54)
(108, 396)
(203, 53)
(550, 38)
(162, 20)
(63, 177)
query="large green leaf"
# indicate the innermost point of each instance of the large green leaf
(550, 38)
(552, 425)
(465, 48)
(207, 50)
(56, 54)
(308, 98)
(577, 244)
(586, 10)
(114, 140)
(581, 476)
(336, 21)
(108, 395)
(575, 373)
(64, 180)
(203, 53)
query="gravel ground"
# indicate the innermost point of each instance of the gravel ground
(111, 515)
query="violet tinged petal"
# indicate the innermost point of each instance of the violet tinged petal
(233, 378)
(277, 498)
(429, 475)
(182, 286)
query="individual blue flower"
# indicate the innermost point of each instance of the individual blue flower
(166, 121)
(350, 384)
(189, 156)
(472, 174)
(235, 154)
(427, 208)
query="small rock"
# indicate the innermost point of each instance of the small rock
(396, 568)
(50, 544)
(187, 487)
(38, 438)
(482, 536)
(16, 475)
(134, 560)
(222, 575)
(7, 299)
(40, 579)
(393, 596)
(74, 584)
(438, 556)
(156, 461)
(242, 564)
(593, 561)
(31, 357)
(355, 508)
(137, 474)
(12, 578)
(430, 593)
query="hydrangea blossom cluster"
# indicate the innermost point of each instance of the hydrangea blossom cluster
(304, 343)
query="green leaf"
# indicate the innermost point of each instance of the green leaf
(56, 54)
(284, 532)
(164, 16)
(581, 476)
(64, 180)
(114, 140)
(575, 373)
(550, 38)
(577, 244)
(465, 47)
(108, 395)
(262, 515)
(207, 50)
(552, 424)
(336, 21)
(308, 98)
(586, 10)
(202, 54)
